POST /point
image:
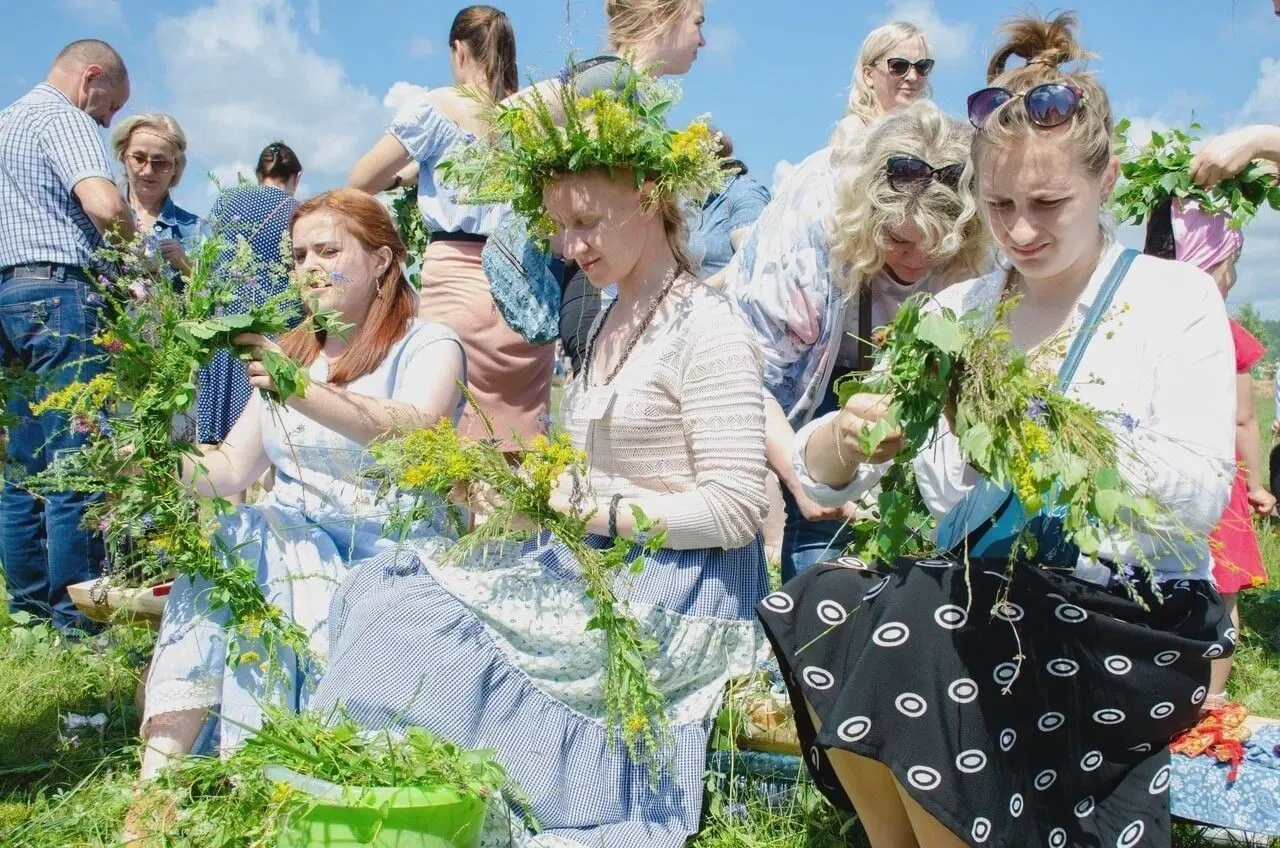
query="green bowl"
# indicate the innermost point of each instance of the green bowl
(406, 817)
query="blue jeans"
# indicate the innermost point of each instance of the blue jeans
(47, 323)
(806, 543)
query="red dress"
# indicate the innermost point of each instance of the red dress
(1237, 561)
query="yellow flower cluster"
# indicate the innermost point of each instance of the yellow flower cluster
(692, 142)
(546, 458)
(612, 119)
(84, 398)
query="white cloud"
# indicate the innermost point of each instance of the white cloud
(95, 11)
(402, 93)
(1263, 104)
(421, 47)
(240, 76)
(950, 41)
(723, 41)
(313, 16)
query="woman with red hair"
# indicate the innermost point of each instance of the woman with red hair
(389, 372)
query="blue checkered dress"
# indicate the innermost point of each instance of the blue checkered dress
(493, 652)
(47, 147)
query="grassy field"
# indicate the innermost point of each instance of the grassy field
(46, 684)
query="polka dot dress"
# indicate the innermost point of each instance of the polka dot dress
(1027, 711)
(259, 214)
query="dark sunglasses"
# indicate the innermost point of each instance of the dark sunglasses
(1048, 105)
(899, 67)
(908, 171)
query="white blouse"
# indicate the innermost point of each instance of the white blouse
(1162, 361)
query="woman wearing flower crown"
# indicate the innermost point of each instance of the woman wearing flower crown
(963, 700)
(496, 651)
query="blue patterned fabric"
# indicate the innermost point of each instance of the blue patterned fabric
(1200, 792)
(492, 652)
(735, 207)
(47, 147)
(258, 215)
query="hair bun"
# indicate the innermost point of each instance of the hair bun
(1039, 41)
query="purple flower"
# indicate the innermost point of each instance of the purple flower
(81, 425)
(339, 277)
(565, 76)
(103, 526)
(113, 346)
(138, 290)
(102, 279)
(1129, 422)
(1037, 410)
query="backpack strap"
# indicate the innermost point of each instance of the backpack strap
(862, 359)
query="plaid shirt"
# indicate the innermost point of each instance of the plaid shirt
(47, 146)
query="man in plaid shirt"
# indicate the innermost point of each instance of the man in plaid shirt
(57, 198)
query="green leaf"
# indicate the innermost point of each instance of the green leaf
(1106, 504)
(942, 332)
(977, 442)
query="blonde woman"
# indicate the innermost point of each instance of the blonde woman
(153, 150)
(988, 702)
(903, 220)
(892, 70)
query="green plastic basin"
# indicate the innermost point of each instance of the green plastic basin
(408, 817)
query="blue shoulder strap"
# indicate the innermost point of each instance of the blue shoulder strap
(1097, 312)
(986, 500)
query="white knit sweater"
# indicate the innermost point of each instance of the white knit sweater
(680, 430)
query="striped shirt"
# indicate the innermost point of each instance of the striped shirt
(47, 146)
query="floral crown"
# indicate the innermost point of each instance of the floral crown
(622, 128)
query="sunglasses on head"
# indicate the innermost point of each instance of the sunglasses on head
(1048, 105)
(908, 171)
(898, 67)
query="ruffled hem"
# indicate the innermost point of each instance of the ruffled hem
(462, 687)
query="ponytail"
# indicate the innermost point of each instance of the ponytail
(488, 33)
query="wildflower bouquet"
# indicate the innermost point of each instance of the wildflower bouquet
(429, 464)
(615, 130)
(156, 333)
(1161, 170)
(1013, 425)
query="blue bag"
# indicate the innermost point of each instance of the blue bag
(990, 519)
(524, 281)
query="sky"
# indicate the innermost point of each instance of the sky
(326, 75)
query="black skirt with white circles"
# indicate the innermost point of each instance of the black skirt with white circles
(1022, 707)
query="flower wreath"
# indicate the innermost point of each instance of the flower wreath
(618, 129)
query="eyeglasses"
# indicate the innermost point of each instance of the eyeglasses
(1049, 105)
(159, 164)
(898, 67)
(908, 171)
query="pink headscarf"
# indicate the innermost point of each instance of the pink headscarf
(1205, 241)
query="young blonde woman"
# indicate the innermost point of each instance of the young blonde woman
(153, 150)
(983, 702)
(494, 651)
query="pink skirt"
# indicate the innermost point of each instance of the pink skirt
(509, 379)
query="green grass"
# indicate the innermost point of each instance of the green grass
(43, 680)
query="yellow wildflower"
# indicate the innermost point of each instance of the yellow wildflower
(250, 657)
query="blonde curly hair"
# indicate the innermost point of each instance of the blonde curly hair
(867, 208)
